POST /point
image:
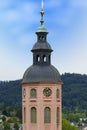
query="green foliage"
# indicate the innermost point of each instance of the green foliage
(19, 113)
(4, 112)
(74, 92)
(3, 118)
(10, 120)
(14, 119)
(67, 126)
(6, 126)
(74, 117)
(10, 93)
(16, 126)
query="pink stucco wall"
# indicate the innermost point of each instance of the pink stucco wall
(40, 103)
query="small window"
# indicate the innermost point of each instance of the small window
(47, 115)
(33, 93)
(57, 93)
(33, 115)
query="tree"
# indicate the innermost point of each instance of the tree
(67, 126)
(19, 113)
(4, 112)
(3, 118)
(16, 126)
(6, 126)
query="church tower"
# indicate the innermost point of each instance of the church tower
(41, 87)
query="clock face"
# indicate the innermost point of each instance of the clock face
(47, 92)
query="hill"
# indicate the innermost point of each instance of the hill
(10, 93)
(74, 92)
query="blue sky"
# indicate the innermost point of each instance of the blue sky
(66, 22)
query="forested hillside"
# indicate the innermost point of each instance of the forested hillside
(74, 92)
(10, 93)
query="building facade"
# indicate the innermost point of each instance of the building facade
(41, 88)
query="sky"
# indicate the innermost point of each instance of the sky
(66, 22)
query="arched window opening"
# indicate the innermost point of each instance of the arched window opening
(44, 58)
(40, 37)
(33, 115)
(49, 58)
(58, 116)
(47, 115)
(24, 115)
(57, 93)
(38, 58)
(43, 38)
(33, 93)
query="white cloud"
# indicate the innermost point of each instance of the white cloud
(24, 11)
(17, 21)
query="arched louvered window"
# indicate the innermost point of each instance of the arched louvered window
(33, 115)
(47, 115)
(58, 115)
(24, 115)
(33, 93)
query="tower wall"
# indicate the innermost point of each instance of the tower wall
(37, 102)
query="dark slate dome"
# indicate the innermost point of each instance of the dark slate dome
(37, 73)
(41, 70)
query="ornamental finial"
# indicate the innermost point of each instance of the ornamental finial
(42, 27)
(42, 12)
